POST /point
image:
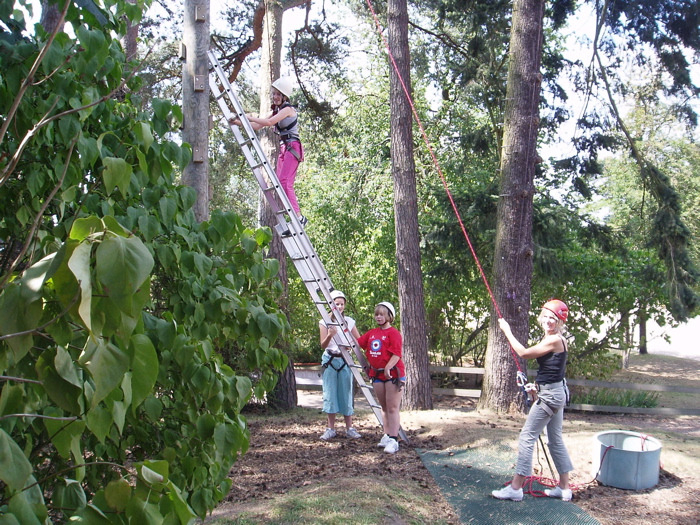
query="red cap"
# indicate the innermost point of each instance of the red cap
(558, 308)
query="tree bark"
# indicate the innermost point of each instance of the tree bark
(51, 16)
(642, 316)
(195, 102)
(131, 38)
(513, 250)
(418, 394)
(284, 396)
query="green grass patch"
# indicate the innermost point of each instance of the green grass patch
(616, 397)
(363, 501)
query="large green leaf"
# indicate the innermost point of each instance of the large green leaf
(149, 227)
(9, 519)
(11, 320)
(63, 434)
(145, 367)
(65, 367)
(168, 209)
(69, 496)
(144, 133)
(182, 509)
(23, 510)
(35, 276)
(99, 421)
(117, 174)
(117, 494)
(123, 264)
(138, 511)
(107, 364)
(15, 468)
(79, 264)
(11, 402)
(65, 394)
(203, 264)
(205, 425)
(85, 227)
(16, 316)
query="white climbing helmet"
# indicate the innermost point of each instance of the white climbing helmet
(389, 307)
(284, 85)
(337, 293)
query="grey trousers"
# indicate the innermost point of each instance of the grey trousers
(540, 417)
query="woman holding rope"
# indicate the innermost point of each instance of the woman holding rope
(548, 411)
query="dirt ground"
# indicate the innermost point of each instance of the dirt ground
(286, 454)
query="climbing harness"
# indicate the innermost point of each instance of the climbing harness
(529, 390)
(330, 362)
(289, 134)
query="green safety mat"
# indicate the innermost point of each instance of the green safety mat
(466, 478)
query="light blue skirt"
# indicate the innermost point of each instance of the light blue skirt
(337, 387)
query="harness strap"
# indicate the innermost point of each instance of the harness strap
(291, 150)
(547, 408)
(330, 363)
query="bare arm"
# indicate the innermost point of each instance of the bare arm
(392, 362)
(327, 335)
(550, 343)
(273, 119)
(254, 125)
(258, 123)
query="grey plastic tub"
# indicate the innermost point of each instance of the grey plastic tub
(629, 460)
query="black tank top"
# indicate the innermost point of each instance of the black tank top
(552, 366)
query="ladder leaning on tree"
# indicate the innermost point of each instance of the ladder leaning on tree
(288, 227)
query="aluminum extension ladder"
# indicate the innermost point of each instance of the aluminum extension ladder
(294, 238)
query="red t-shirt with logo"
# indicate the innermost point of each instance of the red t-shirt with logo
(379, 346)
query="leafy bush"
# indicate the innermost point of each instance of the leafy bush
(116, 405)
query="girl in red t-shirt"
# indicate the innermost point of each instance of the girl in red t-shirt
(384, 348)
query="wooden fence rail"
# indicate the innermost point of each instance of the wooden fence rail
(309, 378)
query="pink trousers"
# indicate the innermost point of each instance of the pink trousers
(287, 165)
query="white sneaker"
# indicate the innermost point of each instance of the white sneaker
(558, 492)
(384, 441)
(328, 434)
(508, 493)
(392, 446)
(352, 433)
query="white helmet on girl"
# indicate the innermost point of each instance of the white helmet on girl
(389, 307)
(337, 293)
(284, 85)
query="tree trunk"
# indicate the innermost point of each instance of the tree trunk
(513, 250)
(642, 331)
(284, 396)
(51, 16)
(195, 102)
(131, 38)
(418, 394)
